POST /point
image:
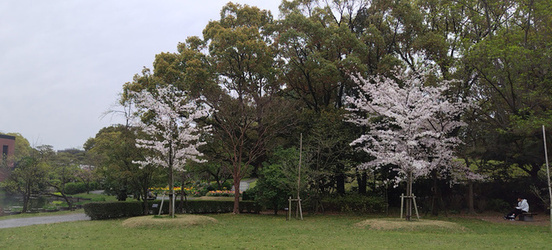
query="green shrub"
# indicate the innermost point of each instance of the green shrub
(249, 207)
(249, 194)
(498, 205)
(75, 188)
(208, 207)
(355, 204)
(211, 206)
(111, 210)
(272, 189)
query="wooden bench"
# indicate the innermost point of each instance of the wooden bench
(526, 216)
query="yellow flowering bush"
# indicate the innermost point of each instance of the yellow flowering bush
(160, 190)
(226, 193)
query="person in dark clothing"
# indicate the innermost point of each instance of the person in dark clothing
(522, 207)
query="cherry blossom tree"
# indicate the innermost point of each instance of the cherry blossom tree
(409, 125)
(168, 119)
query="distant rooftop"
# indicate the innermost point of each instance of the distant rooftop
(7, 137)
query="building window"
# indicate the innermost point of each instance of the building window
(4, 152)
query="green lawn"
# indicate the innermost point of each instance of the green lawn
(27, 215)
(265, 231)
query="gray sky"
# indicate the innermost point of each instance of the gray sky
(63, 62)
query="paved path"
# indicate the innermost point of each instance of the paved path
(21, 222)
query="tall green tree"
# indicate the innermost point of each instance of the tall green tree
(328, 154)
(249, 113)
(317, 48)
(62, 168)
(113, 152)
(217, 166)
(319, 44)
(512, 66)
(87, 174)
(27, 178)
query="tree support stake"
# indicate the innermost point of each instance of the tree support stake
(413, 198)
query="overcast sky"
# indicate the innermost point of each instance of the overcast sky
(63, 62)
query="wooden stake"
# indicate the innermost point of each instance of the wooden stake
(402, 204)
(289, 208)
(299, 206)
(299, 209)
(547, 175)
(162, 200)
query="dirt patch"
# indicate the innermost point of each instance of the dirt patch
(402, 224)
(541, 219)
(181, 221)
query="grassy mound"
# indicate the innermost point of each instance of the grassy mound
(414, 225)
(180, 221)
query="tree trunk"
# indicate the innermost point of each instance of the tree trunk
(26, 198)
(362, 179)
(236, 194)
(409, 195)
(171, 193)
(386, 197)
(61, 190)
(217, 179)
(471, 207)
(436, 196)
(87, 183)
(69, 203)
(470, 198)
(340, 183)
(145, 203)
(181, 205)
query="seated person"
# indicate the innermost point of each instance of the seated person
(522, 207)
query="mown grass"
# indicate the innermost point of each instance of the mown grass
(248, 231)
(27, 215)
(167, 222)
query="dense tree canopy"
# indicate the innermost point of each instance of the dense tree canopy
(267, 80)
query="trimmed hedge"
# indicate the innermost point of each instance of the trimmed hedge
(354, 204)
(111, 210)
(209, 206)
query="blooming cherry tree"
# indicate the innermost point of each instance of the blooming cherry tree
(168, 119)
(409, 125)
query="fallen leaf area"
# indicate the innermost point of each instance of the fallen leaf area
(180, 221)
(413, 225)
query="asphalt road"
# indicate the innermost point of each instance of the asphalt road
(21, 222)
